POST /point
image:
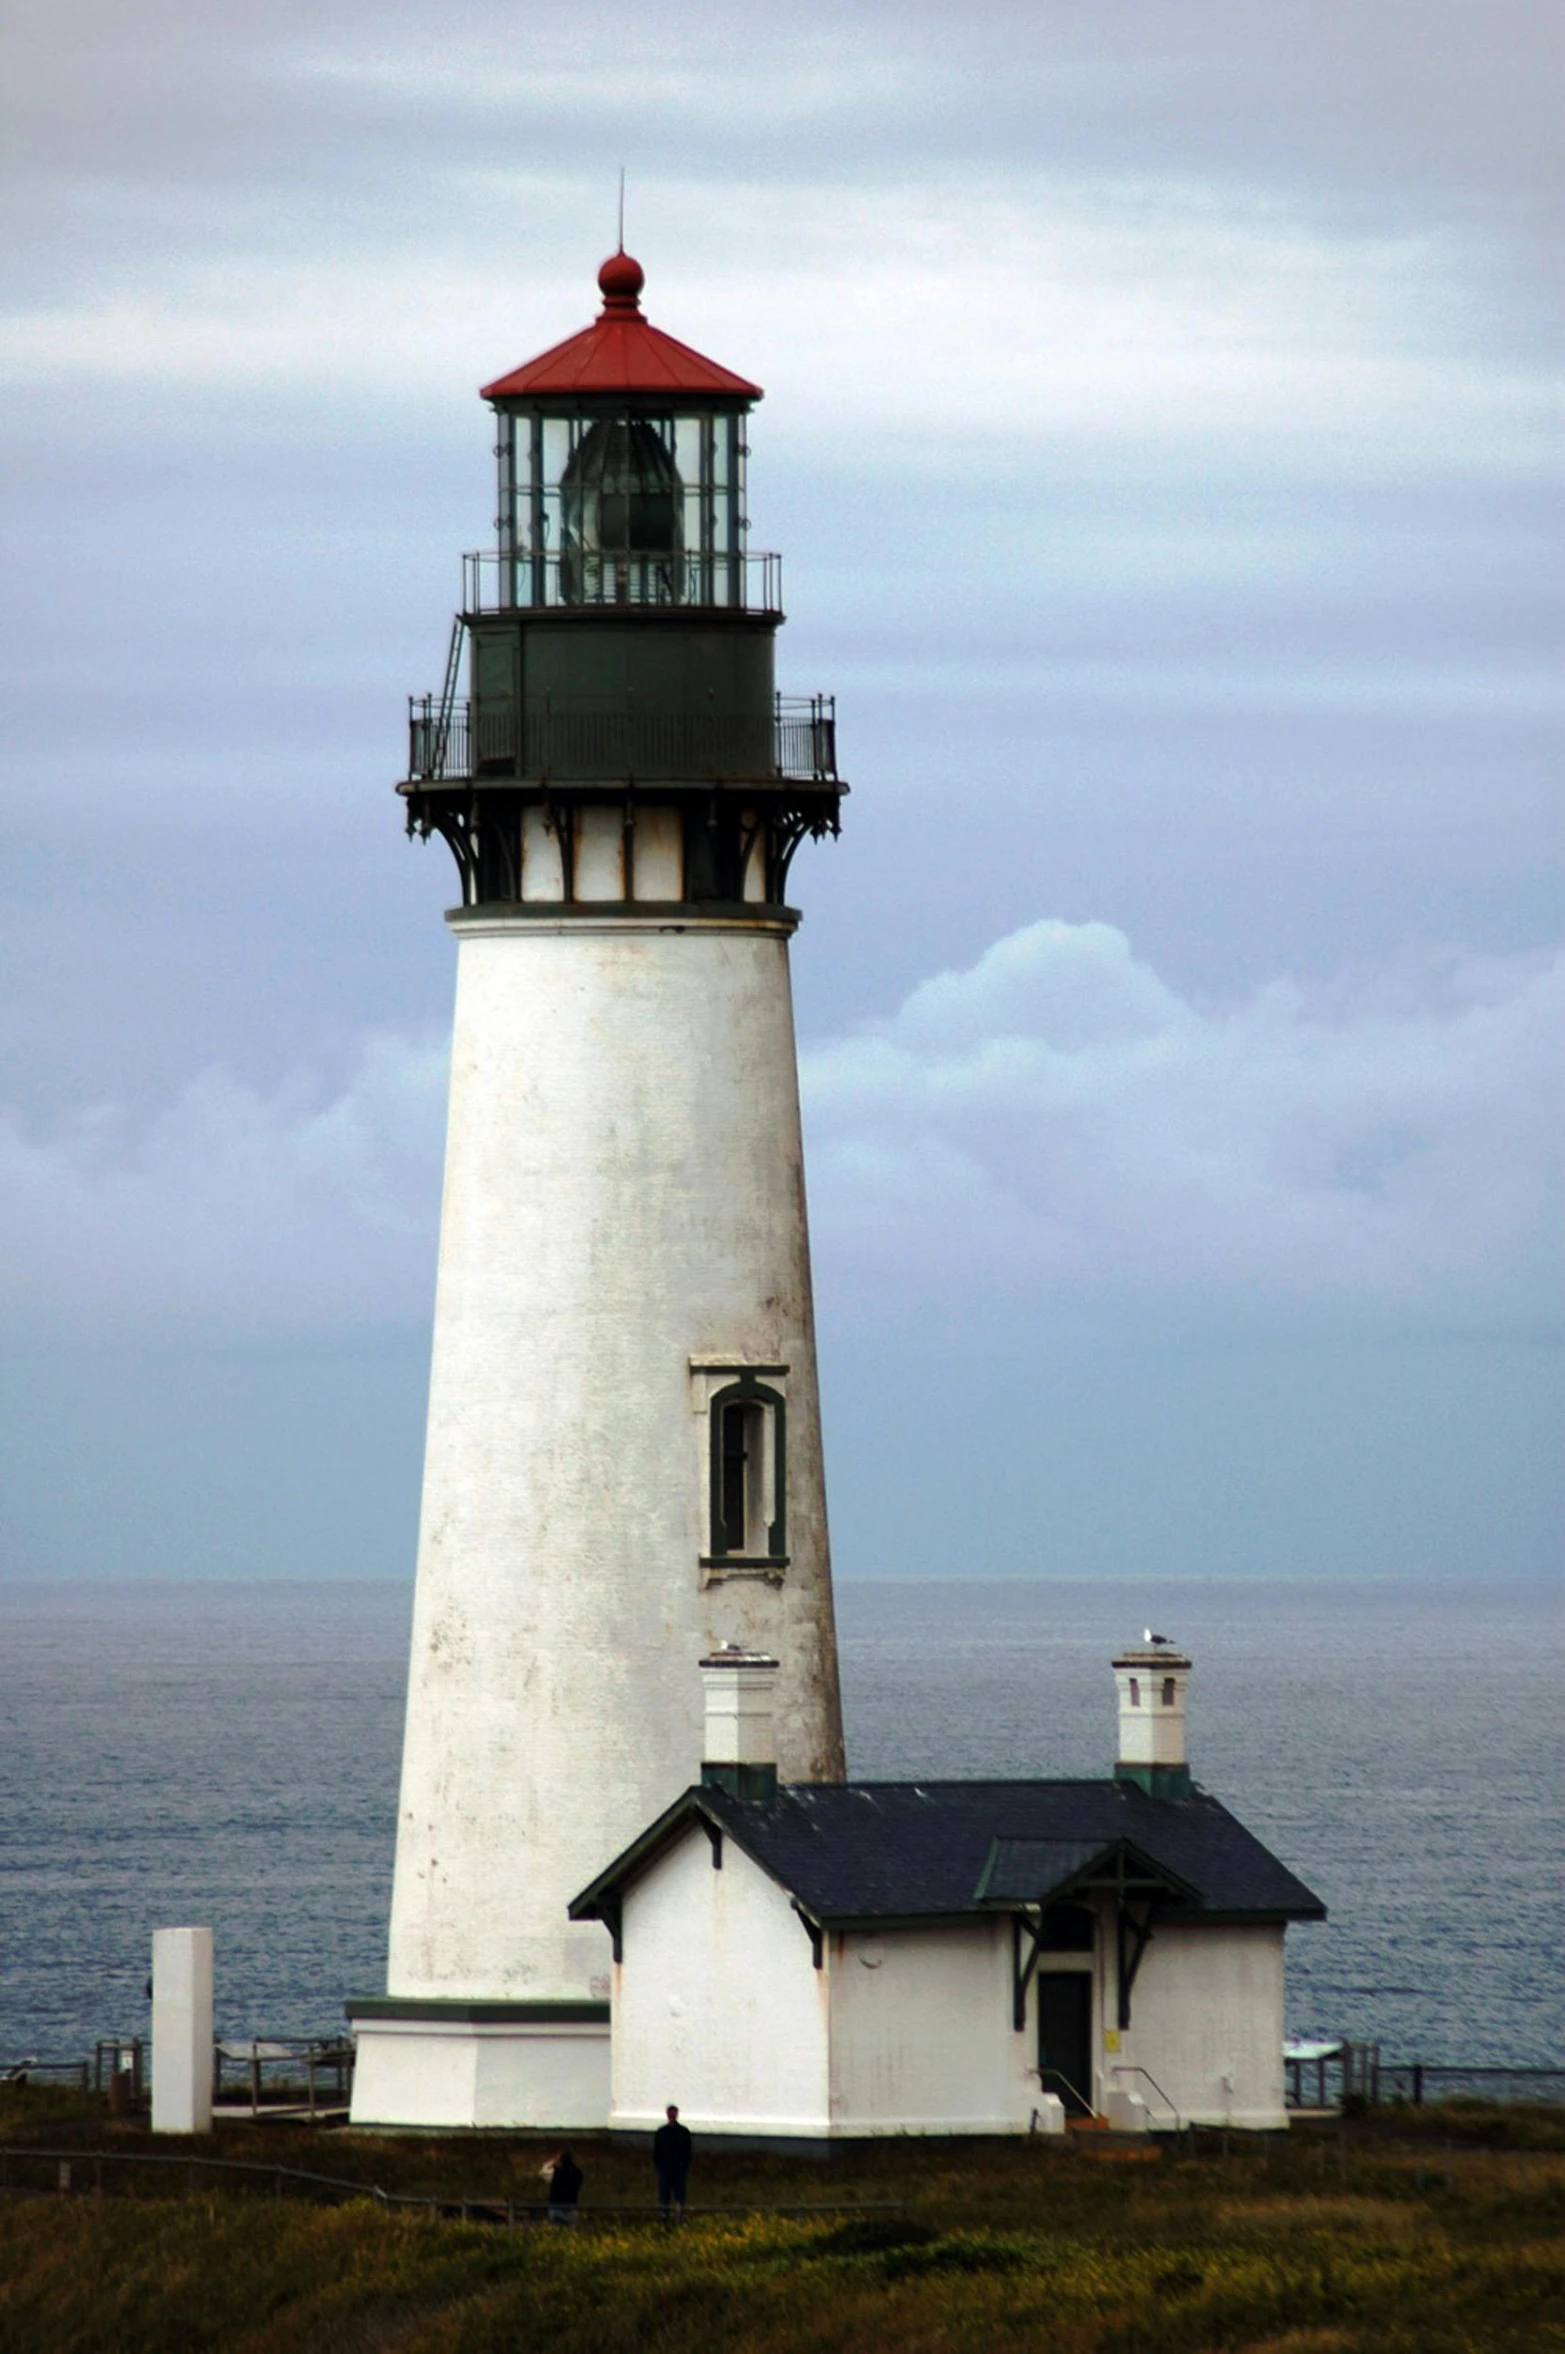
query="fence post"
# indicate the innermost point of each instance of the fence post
(1418, 2084)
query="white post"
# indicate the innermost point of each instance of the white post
(182, 2031)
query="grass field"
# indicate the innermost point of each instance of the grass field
(1436, 2230)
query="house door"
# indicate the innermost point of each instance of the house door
(1065, 2037)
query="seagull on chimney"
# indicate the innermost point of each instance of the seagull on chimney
(1147, 1636)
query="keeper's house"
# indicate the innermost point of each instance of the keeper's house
(817, 1961)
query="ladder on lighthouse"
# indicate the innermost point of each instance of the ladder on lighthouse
(441, 735)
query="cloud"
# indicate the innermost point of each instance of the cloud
(1072, 230)
(1053, 1124)
(937, 325)
(1056, 1122)
(303, 1210)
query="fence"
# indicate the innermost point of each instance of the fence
(77, 2072)
(1417, 2082)
(284, 2072)
(1328, 2075)
(275, 2072)
(172, 2174)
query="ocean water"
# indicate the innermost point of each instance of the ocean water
(228, 1754)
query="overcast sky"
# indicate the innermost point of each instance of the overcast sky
(1162, 435)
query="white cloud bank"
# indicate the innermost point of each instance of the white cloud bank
(1101, 314)
(1055, 1123)
(302, 1209)
(1058, 1120)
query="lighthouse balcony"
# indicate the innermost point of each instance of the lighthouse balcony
(612, 741)
(690, 579)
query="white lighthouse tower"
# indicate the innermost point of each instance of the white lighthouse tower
(623, 1464)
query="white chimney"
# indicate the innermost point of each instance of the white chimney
(739, 1748)
(1152, 1682)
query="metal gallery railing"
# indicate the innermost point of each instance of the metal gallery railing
(496, 581)
(565, 740)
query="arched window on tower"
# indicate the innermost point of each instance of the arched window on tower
(748, 1476)
(1135, 1691)
(1168, 1691)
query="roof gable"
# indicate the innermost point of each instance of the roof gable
(1048, 1871)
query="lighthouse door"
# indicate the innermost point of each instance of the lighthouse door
(1065, 2037)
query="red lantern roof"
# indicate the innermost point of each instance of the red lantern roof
(620, 352)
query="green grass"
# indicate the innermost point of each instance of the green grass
(1392, 2236)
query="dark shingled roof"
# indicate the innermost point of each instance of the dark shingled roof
(861, 1851)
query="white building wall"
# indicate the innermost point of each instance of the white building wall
(624, 1192)
(461, 2073)
(921, 2033)
(718, 2005)
(1207, 2024)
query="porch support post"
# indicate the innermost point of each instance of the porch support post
(1022, 1973)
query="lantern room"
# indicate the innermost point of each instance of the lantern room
(621, 740)
(621, 469)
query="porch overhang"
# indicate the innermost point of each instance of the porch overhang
(1024, 1877)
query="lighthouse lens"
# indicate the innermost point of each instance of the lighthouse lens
(621, 502)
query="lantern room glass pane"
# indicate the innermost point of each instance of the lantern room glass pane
(639, 506)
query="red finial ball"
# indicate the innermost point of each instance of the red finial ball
(621, 279)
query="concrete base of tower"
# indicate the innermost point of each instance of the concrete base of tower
(480, 2064)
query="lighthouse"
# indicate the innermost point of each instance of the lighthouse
(622, 1471)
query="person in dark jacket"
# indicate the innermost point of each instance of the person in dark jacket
(565, 2181)
(671, 2147)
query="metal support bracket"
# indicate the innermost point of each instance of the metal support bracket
(1132, 1936)
(814, 1933)
(1023, 1973)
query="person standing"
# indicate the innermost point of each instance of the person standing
(671, 2147)
(565, 2181)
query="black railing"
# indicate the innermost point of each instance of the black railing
(580, 742)
(1330, 2075)
(1129, 2068)
(1418, 2082)
(177, 2173)
(284, 2071)
(496, 582)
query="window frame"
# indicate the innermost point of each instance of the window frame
(748, 1390)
